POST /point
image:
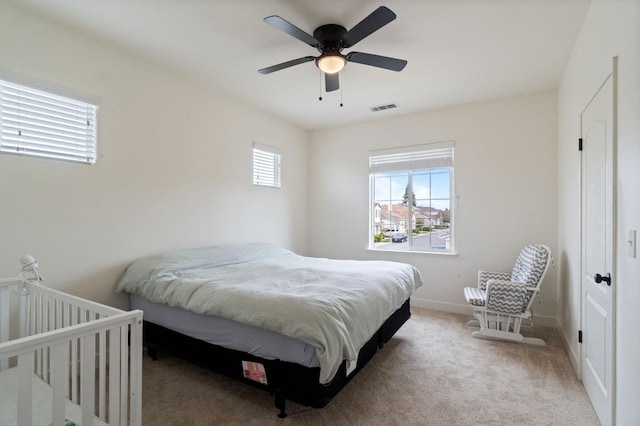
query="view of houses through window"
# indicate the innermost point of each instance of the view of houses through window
(411, 209)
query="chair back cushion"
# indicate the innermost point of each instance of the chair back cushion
(530, 265)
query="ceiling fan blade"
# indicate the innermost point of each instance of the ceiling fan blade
(287, 64)
(376, 20)
(385, 62)
(291, 29)
(331, 82)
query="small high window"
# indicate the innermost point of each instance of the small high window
(266, 166)
(41, 124)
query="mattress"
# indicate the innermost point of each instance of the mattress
(228, 333)
(41, 402)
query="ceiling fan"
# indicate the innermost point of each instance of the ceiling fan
(331, 39)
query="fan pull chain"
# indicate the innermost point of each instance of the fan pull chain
(320, 97)
(340, 82)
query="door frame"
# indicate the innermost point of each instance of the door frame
(612, 72)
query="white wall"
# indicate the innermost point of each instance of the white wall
(611, 27)
(174, 166)
(505, 178)
(174, 171)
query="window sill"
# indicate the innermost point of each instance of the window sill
(437, 253)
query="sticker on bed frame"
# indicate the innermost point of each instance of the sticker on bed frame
(254, 371)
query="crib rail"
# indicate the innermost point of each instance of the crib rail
(89, 354)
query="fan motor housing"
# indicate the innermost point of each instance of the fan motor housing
(330, 36)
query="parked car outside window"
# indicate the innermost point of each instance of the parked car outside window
(400, 237)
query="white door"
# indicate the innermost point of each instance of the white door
(598, 278)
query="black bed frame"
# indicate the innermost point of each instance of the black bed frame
(285, 380)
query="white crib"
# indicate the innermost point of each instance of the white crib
(75, 362)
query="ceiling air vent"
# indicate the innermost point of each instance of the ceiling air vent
(384, 107)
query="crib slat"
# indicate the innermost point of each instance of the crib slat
(74, 358)
(49, 325)
(28, 306)
(66, 320)
(38, 329)
(135, 382)
(124, 378)
(102, 370)
(24, 315)
(25, 389)
(4, 322)
(88, 379)
(33, 310)
(114, 376)
(59, 355)
(58, 314)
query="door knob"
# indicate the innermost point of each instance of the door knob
(599, 278)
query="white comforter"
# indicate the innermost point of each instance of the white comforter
(334, 305)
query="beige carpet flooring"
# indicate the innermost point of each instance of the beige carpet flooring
(431, 373)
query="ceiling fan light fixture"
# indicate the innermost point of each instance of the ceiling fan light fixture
(331, 63)
(330, 40)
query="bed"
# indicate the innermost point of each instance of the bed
(71, 362)
(298, 327)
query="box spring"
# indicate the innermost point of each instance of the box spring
(286, 380)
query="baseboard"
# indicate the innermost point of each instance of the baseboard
(455, 308)
(573, 357)
(440, 306)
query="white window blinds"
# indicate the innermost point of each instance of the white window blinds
(266, 166)
(41, 124)
(429, 156)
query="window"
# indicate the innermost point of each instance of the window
(41, 124)
(266, 166)
(411, 198)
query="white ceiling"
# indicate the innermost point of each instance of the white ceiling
(458, 51)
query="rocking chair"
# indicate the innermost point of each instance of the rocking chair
(502, 300)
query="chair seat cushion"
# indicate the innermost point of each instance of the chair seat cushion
(506, 297)
(474, 296)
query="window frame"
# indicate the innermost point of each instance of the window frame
(409, 160)
(39, 123)
(266, 157)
